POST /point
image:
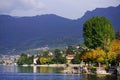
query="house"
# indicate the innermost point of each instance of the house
(35, 60)
(8, 61)
(50, 54)
(69, 57)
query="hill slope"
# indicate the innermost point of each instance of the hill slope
(33, 32)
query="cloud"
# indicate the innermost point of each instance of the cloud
(31, 4)
(72, 9)
(10, 6)
(6, 6)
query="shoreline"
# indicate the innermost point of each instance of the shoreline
(50, 65)
(56, 65)
(60, 65)
(45, 65)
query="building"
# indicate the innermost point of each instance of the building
(10, 59)
(35, 60)
(69, 57)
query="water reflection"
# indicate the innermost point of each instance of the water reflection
(34, 69)
(71, 77)
(8, 68)
(29, 69)
(47, 69)
(25, 69)
(46, 73)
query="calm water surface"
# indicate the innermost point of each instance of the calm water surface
(44, 73)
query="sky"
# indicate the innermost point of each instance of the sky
(71, 9)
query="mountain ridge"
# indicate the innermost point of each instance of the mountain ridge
(22, 33)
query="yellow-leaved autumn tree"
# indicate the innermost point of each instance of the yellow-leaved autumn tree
(44, 60)
(114, 50)
(97, 55)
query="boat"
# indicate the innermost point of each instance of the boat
(102, 71)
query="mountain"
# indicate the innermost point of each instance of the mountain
(23, 33)
(111, 13)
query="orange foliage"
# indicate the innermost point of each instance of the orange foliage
(115, 46)
(114, 49)
(97, 55)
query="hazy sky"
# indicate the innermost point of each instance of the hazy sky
(72, 9)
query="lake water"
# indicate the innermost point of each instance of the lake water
(45, 73)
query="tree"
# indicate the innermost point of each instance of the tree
(46, 54)
(24, 59)
(117, 35)
(118, 59)
(70, 50)
(30, 60)
(114, 52)
(44, 60)
(76, 59)
(98, 32)
(58, 58)
(97, 55)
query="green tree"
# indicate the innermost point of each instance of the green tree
(58, 58)
(98, 32)
(76, 59)
(24, 59)
(30, 60)
(70, 50)
(45, 54)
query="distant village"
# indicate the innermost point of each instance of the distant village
(13, 59)
(9, 59)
